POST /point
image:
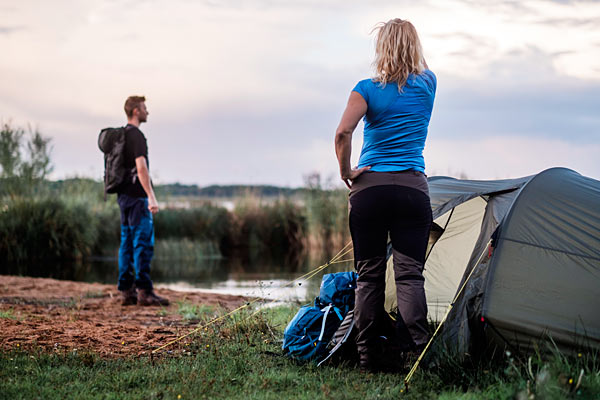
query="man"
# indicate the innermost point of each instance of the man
(138, 204)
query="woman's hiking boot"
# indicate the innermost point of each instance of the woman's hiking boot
(129, 297)
(147, 297)
(383, 363)
(384, 358)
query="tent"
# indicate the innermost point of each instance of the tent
(534, 243)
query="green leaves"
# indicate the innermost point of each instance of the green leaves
(23, 166)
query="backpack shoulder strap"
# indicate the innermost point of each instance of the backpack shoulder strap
(326, 311)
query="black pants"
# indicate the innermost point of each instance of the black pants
(403, 213)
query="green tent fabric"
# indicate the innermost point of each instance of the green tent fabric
(539, 278)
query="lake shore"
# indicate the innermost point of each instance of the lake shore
(61, 316)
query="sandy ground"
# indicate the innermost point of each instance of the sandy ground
(61, 316)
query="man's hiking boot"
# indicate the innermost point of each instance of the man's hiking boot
(129, 297)
(147, 297)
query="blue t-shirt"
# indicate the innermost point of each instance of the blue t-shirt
(396, 123)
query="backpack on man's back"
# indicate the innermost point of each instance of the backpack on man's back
(111, 142)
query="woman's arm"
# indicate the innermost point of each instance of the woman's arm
(355, 110)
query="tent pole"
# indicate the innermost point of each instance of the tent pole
(416, 364)
(443, 231)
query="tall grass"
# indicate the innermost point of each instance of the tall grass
(44, 229)
(327, 217)
(107, 223)
(104, 217)
(184, 249)
(204, 223)
(71, 220)
(276, 229)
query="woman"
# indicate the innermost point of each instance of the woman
(388, 190)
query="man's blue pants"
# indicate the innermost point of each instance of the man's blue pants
(137, 243)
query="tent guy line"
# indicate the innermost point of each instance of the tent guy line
(307, 276)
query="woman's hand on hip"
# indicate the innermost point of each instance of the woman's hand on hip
(352, 175)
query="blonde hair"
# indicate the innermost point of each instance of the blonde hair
(398, 52)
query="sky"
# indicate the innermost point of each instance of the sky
(251, 91)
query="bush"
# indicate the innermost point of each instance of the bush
(23, 166)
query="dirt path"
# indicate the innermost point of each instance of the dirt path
(64, 316)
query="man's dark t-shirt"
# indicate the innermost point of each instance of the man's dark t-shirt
(135, 146)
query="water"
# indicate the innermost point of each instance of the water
(274, 281)
(271, 280)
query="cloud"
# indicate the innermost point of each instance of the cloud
(502, 8)
(520, 94)
(467, 46)
(500, 157)
(570, 22)
(7, 30)
(467, 36)
(493, 125)
(571, 2)
(251, 91)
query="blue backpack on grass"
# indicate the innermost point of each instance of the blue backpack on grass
(338, 289)
(308, 333)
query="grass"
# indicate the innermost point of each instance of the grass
(67, 302)
(7, 314)
(162, 312)
(240, 358)
(94, 294)
(196, 312)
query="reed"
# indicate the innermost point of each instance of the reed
(258, 228)
(70, 219)
(45, 229)
(176, 249)
(327, 216)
